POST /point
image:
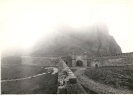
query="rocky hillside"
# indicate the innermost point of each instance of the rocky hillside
(94, 40)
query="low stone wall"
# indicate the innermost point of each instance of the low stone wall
(67, 82)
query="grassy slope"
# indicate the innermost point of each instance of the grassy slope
(45, 84)
(117, 77)
(15, 72)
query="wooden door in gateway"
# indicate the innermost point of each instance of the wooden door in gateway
(79, 63)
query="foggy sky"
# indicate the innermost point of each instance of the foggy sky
(24, 22)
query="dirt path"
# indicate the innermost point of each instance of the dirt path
(82, 80)
(94, 87)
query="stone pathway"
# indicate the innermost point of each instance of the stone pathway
(79, 73)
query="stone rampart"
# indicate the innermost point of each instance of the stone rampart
(40, 61)
(28, 60)
(113, 60)
(67, 82)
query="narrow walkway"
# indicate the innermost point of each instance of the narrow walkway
(95, 86)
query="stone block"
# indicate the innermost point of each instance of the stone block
(72, 80)
(65, 73)
(61, 90)
(66, 81)
(71, 89)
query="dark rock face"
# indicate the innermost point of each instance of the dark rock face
(94, 40)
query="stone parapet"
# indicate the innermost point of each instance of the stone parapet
(67, 82)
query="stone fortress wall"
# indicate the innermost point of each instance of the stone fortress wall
(40, 61)
(106, 60)
(71, 61)
(11, 61)
(27, 60)
(67, 82)
(122, 59)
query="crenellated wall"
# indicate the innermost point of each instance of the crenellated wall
(121, 55)
(103, 60)
(112, 60)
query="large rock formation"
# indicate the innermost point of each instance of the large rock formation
(94, 40)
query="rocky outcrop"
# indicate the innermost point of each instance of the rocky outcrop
(94, 40)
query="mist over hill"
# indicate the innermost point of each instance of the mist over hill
(95, 40)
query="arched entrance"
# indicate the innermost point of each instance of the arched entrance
(79, 63)
(96, 66)
(67, 63)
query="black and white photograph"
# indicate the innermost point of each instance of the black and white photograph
(66, 46)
